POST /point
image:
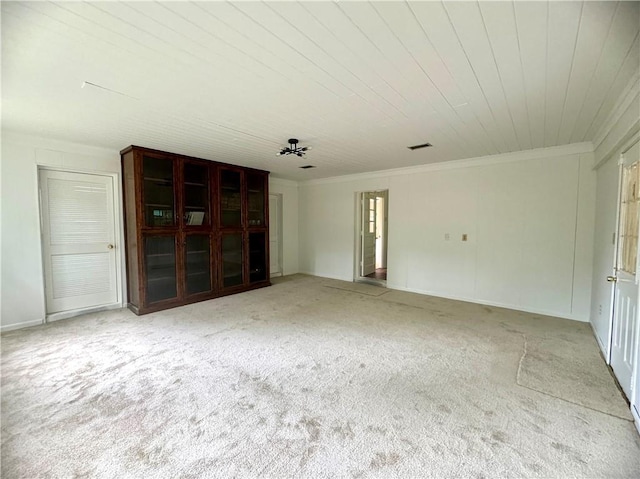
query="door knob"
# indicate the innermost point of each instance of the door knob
(110, 246)
(612, 279)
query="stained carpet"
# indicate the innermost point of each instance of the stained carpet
(305, 379)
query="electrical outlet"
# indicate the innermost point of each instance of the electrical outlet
(464, 237)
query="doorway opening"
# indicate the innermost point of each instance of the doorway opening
(373, 237)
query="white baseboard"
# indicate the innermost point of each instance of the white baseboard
(78, 312)
(461, 298)
(24, 324)
(543, 312)
(339, 278)
(603, 350)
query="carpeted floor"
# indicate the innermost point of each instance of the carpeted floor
(313, 378)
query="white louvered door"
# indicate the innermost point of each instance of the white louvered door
(78, 233)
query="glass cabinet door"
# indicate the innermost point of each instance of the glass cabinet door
(232, 260)
(196, 194)
(230, 199)
(159, 204)
(257, 257)
(198, 263)
(160, 266)
(255, 203)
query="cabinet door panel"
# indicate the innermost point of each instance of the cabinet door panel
(160, 268)
(255, 199)
(158, 193)
(197, 264)
(196, 195)
(230, 198)
(232, 263)
(257, 257)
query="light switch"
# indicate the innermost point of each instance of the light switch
(446, 236)
(464, 237)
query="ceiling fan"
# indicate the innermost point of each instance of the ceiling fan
(293, 149)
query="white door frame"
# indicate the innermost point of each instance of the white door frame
(118, 233)
(357, 231)
(279, 205)
(635, 393)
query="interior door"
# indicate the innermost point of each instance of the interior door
(78, 228)
(368, 246)
(625, 310)
(274, 235)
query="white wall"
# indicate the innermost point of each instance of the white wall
(22, 293)
(529, 217)
(619, 130)
(289, 191)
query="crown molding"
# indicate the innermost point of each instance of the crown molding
(523, 155)
(45, 143)
(629, 94)
(282, 181)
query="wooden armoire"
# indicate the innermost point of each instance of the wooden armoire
(194, 229)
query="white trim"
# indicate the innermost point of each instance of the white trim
(316, 275)
(630, 137)
(23, 324)
(118, 220)
(79, 312)
(524, 155)
(630, 92)
(513, 307)
(281, 181)
(629, 144)
(43, 143)
(603, 350)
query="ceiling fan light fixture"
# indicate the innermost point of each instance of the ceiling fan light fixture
(294, 149)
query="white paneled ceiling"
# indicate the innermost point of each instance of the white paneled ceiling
(359, 82)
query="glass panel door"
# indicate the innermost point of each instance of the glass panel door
(230, 199)
(255, 193)
(198, 263)
(160, 264)
(196, 194)
(158, 200)
(232, 260)
(257, 257)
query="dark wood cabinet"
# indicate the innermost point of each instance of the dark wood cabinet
(194, 229)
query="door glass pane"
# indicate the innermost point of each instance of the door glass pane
(230, 199)
(232, 260)
(629, 219)
(160, 261)
(257, 257)
(255, 191)
(158, 191)
(198, 264)
(196, 194)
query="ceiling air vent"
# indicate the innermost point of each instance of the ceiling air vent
(306, 167)
(417, 147)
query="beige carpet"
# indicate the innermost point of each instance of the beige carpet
(304, 379)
